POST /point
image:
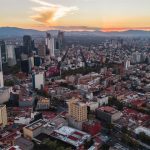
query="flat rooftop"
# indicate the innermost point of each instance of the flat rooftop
(70, 135)
(35, 124)
(108, 109)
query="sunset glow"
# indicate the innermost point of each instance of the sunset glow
(105, 15)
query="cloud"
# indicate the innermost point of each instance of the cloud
(47, 12)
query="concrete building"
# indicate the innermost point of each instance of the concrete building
(4, 94)
(26, 101)
(50, 43)
(127, 64)
(43, 103)
(91, 127)
(3, 115)
(102, 100)
(11, 57)
(24, 144)
(42, 50)
(1, 72)
(3, 52)
(32, 130)
(108, 114)
(77, 110)
(38, 80)
(93, 105)
(71, 136)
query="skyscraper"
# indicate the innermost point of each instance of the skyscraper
(3, 52)
(60, 39)
(50, 43)
(1, 72)
(42, 50)
(28, 44)
(11, 57)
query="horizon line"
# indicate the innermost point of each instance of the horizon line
(82, 28)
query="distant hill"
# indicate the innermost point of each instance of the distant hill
(13, 32)
(6, 32)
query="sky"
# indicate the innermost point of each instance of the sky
(106, 15)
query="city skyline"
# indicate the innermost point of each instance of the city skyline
(105, 15)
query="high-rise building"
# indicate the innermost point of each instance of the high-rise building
(25, 66)
(18, 52)
(28, 44)
(60, 39)
(42, 50)
(50, 43)
(3, 52)
(11, 57)
(3, 115)
(38, 80)
(1, 72)
(77, 110)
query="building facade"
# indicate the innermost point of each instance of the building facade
(77, 110)
(3, 115)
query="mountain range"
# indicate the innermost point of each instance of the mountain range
(8, 32)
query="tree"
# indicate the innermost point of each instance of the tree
(9, 83)
(144, 138)
(105, 147)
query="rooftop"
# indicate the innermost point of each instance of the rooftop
(35, 124)
(108, 109)
(70, 135)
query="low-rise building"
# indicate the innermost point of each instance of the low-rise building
(3, 115)
(33, 129)
(93, 105)
(4, 95)
(108, 114)
(43, 103)
(91, 127)
(102, 100)
(24, 144)
(71, 136)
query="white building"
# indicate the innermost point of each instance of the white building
(127, 64)
(93, 105)
(31, 62)
(102, 100)
(50, 43)
(38, 80)
(11, 57)
(142, 129)
(89, 95)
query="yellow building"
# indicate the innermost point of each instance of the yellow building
(43, 103)
(3, 115)
(32, 130)
(77, 109)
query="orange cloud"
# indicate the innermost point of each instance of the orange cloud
(45, 16)
(48, 12)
